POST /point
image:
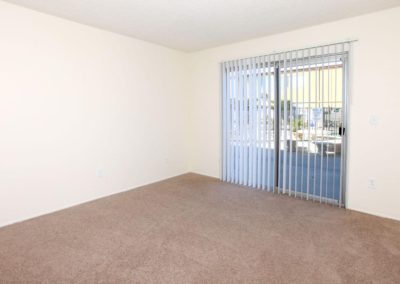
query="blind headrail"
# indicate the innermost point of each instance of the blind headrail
(275, 53)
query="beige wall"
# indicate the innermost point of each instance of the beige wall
(84, 113)
(373, 150)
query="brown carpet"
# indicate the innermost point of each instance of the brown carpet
(196, 229)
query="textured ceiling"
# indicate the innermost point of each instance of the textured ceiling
(191, 25)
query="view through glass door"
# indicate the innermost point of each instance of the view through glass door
(311, 128)
(284, 122)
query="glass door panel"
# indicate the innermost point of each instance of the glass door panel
(311, 117)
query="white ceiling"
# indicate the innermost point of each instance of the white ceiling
(191, 25)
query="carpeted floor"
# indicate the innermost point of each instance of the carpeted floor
(196, 229)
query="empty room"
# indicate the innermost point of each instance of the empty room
(224, 141)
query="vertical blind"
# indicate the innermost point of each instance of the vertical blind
(284, 118)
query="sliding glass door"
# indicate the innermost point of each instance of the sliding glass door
(284, 119)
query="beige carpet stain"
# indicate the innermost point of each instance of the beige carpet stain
(196, 229)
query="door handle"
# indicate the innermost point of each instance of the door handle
(342, 130)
